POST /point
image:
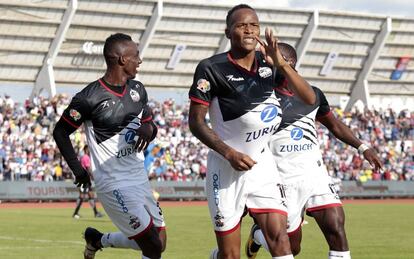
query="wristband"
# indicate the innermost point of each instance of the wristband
(362, 148)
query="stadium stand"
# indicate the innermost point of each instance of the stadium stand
(28, 152)
(350, 56)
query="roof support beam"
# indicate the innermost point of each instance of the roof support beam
(146, 37)
(307, 38)
(45, 79)
(360, 90)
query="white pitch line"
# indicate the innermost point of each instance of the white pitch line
(41, 240)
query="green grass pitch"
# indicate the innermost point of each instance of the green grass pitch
(374, 231)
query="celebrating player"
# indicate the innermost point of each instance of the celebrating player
(118, 126)
(308, 185)
(236, 88)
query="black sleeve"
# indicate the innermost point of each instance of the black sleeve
(202, 89)
(61, 135)
(324, 107)
(78, 110)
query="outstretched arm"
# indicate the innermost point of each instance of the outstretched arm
(343, 133)
(205, 134)
(272, 54)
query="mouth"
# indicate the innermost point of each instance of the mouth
(249, 40)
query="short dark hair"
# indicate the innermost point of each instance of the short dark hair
(235, 8)
(111, 43)
(288, 51)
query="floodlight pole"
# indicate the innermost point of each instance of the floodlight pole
(45, 78)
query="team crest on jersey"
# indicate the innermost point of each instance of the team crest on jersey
(134, 95)
(265, 72)
(203, 85)
(74, 114)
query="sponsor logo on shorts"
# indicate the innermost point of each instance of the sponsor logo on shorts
(120, 199)
(218, 219)
(203, 85)
(253, 135)
(216, 186)
(296, 134)
(134, 222)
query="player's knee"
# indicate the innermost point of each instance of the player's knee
(229, 254)
(279, 243)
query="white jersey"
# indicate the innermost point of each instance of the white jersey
(243, 108)
(295, 146)
(111, 120)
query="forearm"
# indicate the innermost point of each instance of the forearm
(343, 133)
(208, 137)
(297, 84)
(61, 135)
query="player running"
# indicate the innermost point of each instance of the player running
(308, 185)
(118, 126)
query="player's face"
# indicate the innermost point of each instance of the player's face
(244, 27)
(132, 60)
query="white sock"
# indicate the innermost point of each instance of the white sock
(144, 257)
(118, 240)
(214, 254)
(284, 257)
(259, 239)
(339, 255)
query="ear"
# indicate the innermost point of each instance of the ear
(122, 60)
(227, 33)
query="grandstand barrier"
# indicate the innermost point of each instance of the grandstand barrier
(46, 191)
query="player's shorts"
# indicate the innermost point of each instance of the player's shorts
(310, 194)
(132, 209)
(229, 191)
(85, 190)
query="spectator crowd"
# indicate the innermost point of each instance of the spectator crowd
(29, 153)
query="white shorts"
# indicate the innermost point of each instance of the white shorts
(133, 209)
(229, 191)
(310, 194)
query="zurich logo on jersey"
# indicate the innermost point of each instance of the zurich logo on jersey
(129, 137)
(296, 134)
(269, 113)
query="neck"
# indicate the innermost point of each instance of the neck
(245, 60)
(114, 78)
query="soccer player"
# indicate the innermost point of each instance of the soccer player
(118, 125)
(308, 185)
(86, 192)
(236, 88)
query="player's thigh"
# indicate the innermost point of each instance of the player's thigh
(331, 219)
(127, 209)
(226, 195)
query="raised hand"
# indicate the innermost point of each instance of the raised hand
(270, 49)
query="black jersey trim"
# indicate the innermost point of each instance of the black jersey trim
(197, 100)
(251, 72)
(112, 92)
(70, 123)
